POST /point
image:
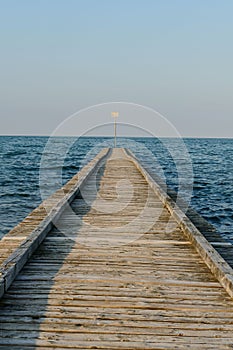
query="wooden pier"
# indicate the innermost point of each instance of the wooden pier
(110, 262)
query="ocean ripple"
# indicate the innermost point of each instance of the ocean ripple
(212, 161)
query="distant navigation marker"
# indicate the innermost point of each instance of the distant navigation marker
(115, 115)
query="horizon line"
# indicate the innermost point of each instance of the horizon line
(121, 136)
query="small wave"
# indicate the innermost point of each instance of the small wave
(70, 167)
(15, 195)
(14, 154)
(55, 167)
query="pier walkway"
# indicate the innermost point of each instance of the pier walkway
(122, 268)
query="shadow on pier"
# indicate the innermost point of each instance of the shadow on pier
(35, 301)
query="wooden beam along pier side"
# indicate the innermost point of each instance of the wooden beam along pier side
(111, 262)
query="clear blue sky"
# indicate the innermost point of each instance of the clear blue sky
(58, 56)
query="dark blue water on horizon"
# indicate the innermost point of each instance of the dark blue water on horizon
(212, 162)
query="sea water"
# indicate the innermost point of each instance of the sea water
(210, 174)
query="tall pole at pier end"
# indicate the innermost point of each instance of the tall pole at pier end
(115, 116)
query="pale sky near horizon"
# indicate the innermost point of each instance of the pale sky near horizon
(60, 56)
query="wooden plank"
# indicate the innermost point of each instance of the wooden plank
(152, 292)
(42, 220)
(219, 267)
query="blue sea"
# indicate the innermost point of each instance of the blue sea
(206, 166)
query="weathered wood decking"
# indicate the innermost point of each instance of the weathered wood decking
(126, 271)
